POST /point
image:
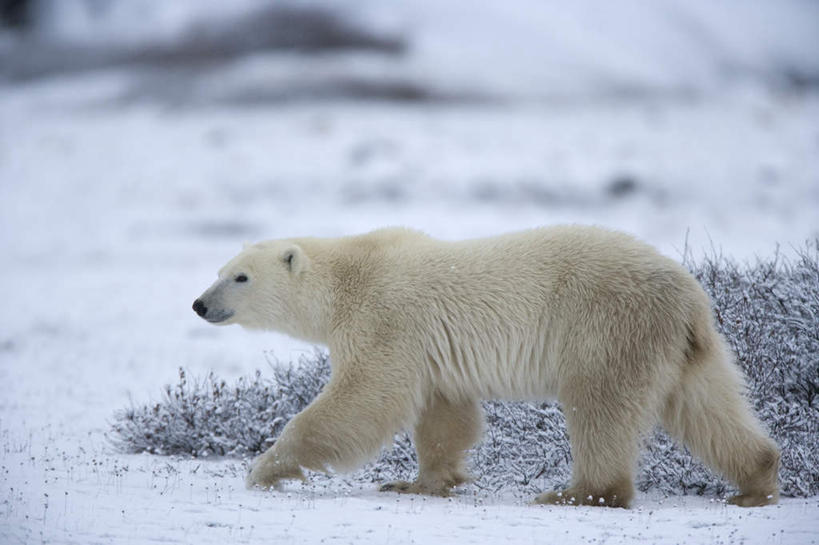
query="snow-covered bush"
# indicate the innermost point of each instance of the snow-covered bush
(205, 417)
(768, 310)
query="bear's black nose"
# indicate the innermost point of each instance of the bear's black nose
(199, 307)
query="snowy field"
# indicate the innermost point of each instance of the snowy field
(118, 205)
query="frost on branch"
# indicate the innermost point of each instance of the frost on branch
(769, 311)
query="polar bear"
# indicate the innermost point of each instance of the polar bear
(420, 330)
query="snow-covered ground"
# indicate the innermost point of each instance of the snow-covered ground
(83, 496)
(115, 214)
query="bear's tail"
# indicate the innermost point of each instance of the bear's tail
(709, 413)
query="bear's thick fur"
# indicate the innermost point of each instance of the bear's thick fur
(420, 330)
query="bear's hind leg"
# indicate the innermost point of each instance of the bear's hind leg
(604, 433)
(444, 432)
(709, 413)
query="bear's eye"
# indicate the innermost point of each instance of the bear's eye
(241, 278)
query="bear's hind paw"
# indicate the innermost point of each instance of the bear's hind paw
(395, 486)
(556, 498)
(753, 500)
(572, 497)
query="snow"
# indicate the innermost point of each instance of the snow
(77, 497)
(115, 214)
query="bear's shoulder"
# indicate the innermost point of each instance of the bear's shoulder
(383, 239)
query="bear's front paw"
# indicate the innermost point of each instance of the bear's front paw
(267, 472)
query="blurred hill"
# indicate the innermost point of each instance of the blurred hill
(250, 51)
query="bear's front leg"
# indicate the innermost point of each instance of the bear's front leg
(346, 424)
(446, 429)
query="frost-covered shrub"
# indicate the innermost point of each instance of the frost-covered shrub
(209, 417)
(769, 311)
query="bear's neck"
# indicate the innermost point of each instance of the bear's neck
(312, 317)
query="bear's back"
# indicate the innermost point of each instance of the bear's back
(513, 277)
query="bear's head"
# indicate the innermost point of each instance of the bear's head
(261, 288)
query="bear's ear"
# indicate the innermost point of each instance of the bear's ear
(295, 260)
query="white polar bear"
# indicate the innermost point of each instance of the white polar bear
(420, 330)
